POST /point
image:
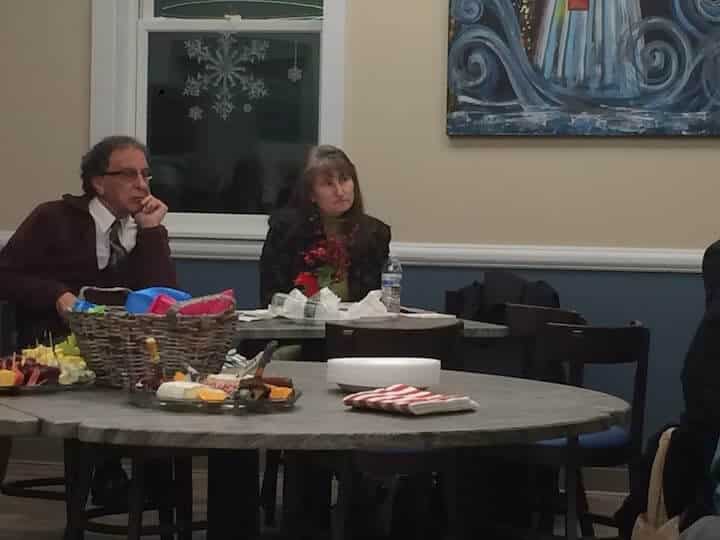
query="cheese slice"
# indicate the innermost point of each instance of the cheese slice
(179, 390)
(212, 394)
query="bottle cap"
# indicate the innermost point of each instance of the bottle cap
(152, 348)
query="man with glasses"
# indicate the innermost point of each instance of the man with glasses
(111, 236)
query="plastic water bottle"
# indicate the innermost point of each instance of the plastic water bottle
(391, 284)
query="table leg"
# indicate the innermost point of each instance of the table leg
(5, 448)
(159, 480)
(233, 494)
(78, 472)
(571, 484)
(291, 508)
(184, 497)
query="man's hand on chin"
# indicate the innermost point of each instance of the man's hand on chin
(151, 214)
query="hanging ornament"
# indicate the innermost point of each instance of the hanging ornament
(295, 74)
(196, 113)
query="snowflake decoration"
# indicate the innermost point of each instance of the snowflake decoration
(195, 85)
(224, 105)
(226, 68)
(196, 113)
(256, 51)
(255, 88)
(196, 49)
(295, 74)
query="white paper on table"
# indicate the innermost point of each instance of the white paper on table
(249, 315)
(429, 315)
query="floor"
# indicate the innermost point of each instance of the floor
(34, 519)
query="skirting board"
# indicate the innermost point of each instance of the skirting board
(598, 258)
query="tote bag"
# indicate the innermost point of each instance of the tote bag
(654, 524)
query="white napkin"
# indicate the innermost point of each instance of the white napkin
(370, 306)
(405, 399)
(326, 297)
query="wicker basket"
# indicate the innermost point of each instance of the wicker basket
(113, 343)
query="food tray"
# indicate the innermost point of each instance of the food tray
(149, 400)
(43, 388)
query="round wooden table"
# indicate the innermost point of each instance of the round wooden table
(512, 411)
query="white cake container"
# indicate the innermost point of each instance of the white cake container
(354, 374)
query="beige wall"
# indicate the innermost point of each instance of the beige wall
(44, 101)
(641, 193)
(632, 192)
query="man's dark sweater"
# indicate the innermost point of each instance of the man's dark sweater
(53, 251)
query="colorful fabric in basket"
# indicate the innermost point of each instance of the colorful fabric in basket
(209, 305)
(205, 305)
(141, 301)
(405, 399)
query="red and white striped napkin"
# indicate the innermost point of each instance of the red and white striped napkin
(405, 399)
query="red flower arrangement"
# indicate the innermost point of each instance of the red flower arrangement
(327, 262)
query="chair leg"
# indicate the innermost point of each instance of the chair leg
(388, 507)
(423, 486)
(571, 484)
(184, 497)
(586, 524)
(545, 492)
(136, 502)
(449, 487)
(268, 493)
(340, 525)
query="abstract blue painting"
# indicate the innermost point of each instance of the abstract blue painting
(584, 67)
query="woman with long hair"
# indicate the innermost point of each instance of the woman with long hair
(324, 237)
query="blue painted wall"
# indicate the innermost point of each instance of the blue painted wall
(669, 304)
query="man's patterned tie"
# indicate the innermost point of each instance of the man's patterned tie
(117, 251)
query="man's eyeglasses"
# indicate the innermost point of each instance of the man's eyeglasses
(130, 175)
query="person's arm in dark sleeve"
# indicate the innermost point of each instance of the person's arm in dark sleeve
(150, 260)
(368, 259)
(711, 273)
(275, 265)
(381, 252)
(24, 252)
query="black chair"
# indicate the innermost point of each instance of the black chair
(515, 357)
(524, 323)
(403, 336)
(577, 346)
(486, 301)
(169, 469)
(35, 488)
(427, 338)
(400, 337)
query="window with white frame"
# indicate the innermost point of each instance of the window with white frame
(227, 95)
